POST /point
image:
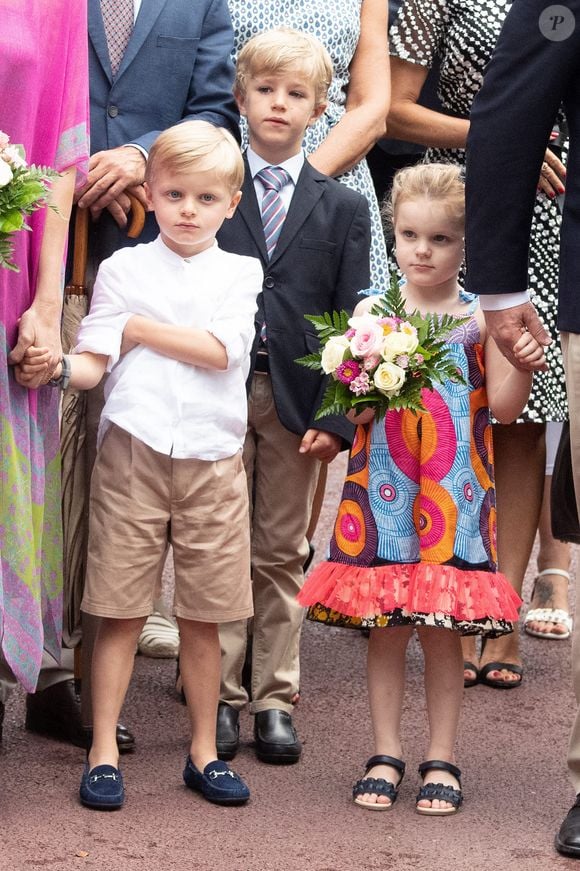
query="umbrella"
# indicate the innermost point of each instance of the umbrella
(77, 450)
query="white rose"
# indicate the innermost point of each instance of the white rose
(333, 353)
(396, 343)
(389, 378)
(12, 154)
(363, 321)
(5, 174)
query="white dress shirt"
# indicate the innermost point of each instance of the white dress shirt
(178, 409)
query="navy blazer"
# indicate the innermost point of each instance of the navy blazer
(320, 263)
(176, 66)
(535, 68)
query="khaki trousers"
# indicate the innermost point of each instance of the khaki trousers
(571, 355)
(281, 485)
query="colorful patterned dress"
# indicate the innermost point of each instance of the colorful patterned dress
(337, 26)
(43, 106)
(414, 539)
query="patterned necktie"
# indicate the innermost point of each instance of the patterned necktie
(273, 179)
(118, 21)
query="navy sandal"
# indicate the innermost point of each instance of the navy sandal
(431, 791)
(217, 782)
(378, 785)
(102, 788)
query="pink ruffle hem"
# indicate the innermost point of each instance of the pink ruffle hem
(418, 588)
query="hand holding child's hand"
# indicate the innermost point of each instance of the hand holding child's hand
(33, 370)
(360, 418)
(528, 351)
(324, 446)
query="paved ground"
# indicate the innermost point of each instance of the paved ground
(512, 750)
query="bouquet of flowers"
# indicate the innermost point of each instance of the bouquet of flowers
(23, 190)
(382, 359)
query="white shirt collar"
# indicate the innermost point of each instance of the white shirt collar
(293, 165)
(171, 257)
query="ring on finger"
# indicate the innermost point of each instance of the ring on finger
(545, 168)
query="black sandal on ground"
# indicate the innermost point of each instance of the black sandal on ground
(378, 785)
(432, 791)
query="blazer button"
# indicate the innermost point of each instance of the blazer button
(269, 281)
(113, 111)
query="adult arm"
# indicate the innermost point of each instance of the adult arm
(40, 324)
(511, 120)
(367, 103)
(209, 98)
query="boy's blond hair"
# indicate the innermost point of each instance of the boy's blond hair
(282, 50)
(198, 145)
(441, 182)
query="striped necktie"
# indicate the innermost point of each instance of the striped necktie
(118, 20)
(273, 179)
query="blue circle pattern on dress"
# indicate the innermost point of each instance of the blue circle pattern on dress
(337, 26)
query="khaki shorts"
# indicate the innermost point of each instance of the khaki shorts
(142, 501)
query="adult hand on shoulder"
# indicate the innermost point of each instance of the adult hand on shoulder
(506, 327)
(110, 173)
(322, 445)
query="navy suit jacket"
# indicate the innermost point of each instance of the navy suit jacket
(176, 66)
(533, 71)
(320, 263)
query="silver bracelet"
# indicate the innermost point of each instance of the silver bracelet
(65, 373)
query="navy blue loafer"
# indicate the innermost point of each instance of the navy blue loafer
(102, 787)
(217, 782)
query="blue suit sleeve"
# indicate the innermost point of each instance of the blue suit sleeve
(527, 80)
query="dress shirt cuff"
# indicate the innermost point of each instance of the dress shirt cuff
(138, 147)
(103, 338)
(237, 344)
(498, 301)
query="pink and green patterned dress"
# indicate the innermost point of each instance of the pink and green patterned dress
(414, 539)
(44, 107)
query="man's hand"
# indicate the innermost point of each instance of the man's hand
(506, 327)
(320, 444)
(110, 173)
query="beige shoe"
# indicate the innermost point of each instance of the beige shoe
(159, 638)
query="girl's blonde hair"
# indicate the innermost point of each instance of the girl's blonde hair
(282, 50)
(197, 145)
(441, 182)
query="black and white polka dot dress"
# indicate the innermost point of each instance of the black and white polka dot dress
(337, 25)
(463, 33)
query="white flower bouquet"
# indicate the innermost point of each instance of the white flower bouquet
(23, 190)
(382, 359)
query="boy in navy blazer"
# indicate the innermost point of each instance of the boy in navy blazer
(312, 236)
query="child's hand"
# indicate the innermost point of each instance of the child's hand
(527, 350)
(320, 444)
(33, 366)
(361, 418)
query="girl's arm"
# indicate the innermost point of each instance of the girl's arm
(186, 344)
(412, 122)
(508, 388)
(367, 101)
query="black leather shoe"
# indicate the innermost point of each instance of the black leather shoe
(568, 838)
(227, 732)
(56, 713)
(276, 738)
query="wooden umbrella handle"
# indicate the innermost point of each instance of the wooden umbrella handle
(80, 252)
(137, 217)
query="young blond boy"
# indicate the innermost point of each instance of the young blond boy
(173, 322)
(314, 244)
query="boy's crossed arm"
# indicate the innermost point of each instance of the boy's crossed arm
(191, 345)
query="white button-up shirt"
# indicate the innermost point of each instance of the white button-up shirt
(176, 408)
